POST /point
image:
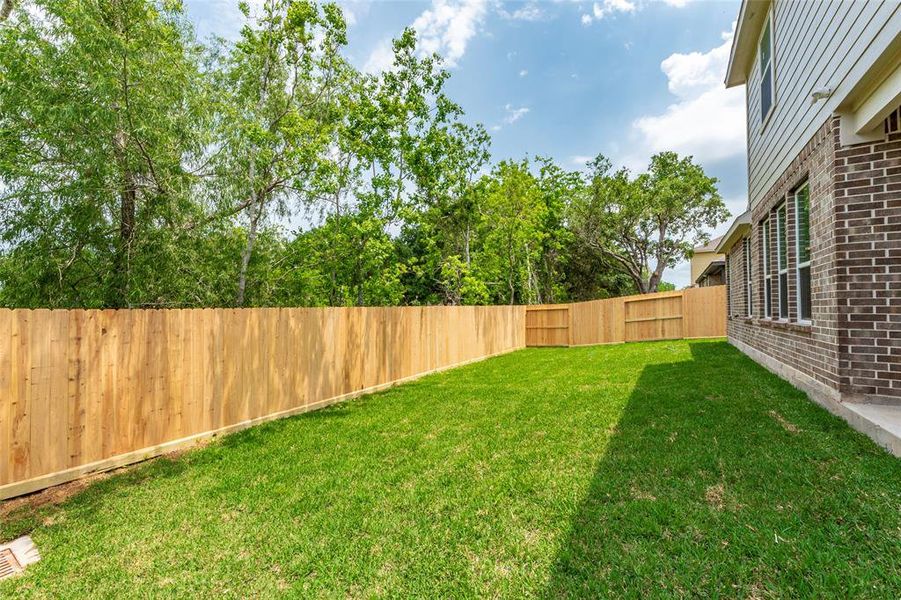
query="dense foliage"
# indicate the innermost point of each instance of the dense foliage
(141, 167)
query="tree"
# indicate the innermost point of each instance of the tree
(512, 231)
(139, 167)
(281, 84)
(101, 110)
(588, 275)
(647, 224)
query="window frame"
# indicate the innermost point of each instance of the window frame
(768, 24)
(729, 287)
(780, 245)
(767, 269)
(798, 264)
(749, 301)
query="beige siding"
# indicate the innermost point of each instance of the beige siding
(702, 260)
(816, 45)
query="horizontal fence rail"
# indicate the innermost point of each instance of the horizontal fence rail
(692, 313)
(87, 390)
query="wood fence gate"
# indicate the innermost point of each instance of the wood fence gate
(690, 313)
(653, 318)
(548, 325)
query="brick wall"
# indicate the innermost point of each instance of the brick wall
(812, 349)
(868, 236)
(853, 343)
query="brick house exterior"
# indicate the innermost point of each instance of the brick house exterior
(851, 348)
(813, 268)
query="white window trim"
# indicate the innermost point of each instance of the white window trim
(779, 270)
(767, 274)
(772, 67)
(798, 264)
(749, 303)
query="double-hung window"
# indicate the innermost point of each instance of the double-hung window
(767, 272)
(766, 68)
(802, 248)
(782, 257)
(749, 305)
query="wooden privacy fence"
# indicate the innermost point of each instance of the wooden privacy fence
(85, 390)
(691, 313)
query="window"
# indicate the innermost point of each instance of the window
(802, 247)
(767, 272)
(782, 253)
(766, 69)
(729, 288)
(748, 295)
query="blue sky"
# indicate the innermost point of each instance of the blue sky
(569, 79)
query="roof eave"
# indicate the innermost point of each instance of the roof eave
(744, 42)
(714, 266)
(740, 226)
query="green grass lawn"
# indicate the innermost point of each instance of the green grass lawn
(661, 469)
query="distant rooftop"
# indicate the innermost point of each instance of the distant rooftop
(710, 246)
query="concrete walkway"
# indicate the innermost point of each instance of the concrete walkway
(881, 422)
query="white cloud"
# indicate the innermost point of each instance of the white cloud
(523, 73)
(381, 58)
(605, 8)
(350, 17)
(579, 160)
(707, 121)
(530, 11)
(514, 114)
(445, 28)
(355, 11)
(220, 17)
(601, 10)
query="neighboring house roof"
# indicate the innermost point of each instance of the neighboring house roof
(708, 247)
(751, 18)
(740, 226)
(713, 267)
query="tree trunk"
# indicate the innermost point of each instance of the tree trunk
(257, 201)
(6, 9)
(466, 237)
(117, 294)
(248, 248)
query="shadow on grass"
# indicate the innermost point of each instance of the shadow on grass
(86, 495)
(708, 489)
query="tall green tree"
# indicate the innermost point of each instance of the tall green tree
(280, 86)
(513, 216)
(101, 112)
(650, 223)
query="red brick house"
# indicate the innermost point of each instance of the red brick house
(814, 265)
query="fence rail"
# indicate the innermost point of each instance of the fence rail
(691, 313)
